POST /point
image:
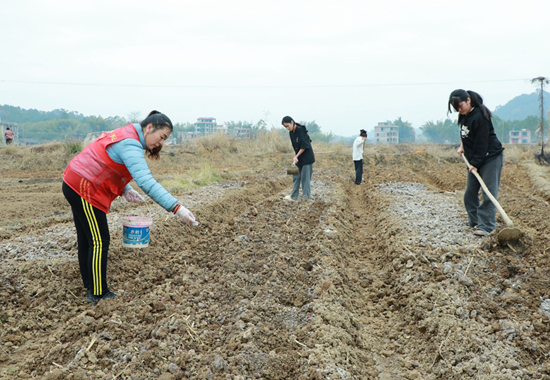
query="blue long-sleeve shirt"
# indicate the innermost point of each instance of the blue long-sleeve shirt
(130, 153)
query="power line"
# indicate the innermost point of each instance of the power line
(258, 86)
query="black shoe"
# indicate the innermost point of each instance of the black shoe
(89, 295)
(96, 299)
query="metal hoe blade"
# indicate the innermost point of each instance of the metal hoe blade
(509, 235)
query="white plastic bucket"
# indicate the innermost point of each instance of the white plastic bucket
(135, 231)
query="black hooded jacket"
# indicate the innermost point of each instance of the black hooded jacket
(300, 140)
(478, 136)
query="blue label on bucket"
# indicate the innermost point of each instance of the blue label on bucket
(135, 235)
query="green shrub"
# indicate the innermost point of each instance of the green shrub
(72, 147)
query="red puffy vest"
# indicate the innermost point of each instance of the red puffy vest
(94, 175)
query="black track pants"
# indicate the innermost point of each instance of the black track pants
(358, 171)
(93, 238)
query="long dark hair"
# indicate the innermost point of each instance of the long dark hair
(288, 119)
(476, 100)
(159, 121)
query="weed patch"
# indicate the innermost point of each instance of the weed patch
(206, 175)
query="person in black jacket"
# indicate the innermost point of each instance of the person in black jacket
(303, 159)
(484, 152)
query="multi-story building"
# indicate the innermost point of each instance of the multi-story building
(207, 126)
(386, 133)
(520, 137)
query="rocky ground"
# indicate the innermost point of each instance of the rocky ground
(378, 281)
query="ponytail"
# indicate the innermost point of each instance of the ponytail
(476, 100)
(158, 120)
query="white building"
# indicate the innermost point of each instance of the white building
(386, 133)
(206, 126)
(520, 137)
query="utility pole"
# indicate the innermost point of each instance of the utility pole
(543, 81)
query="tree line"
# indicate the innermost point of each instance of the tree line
(446, 131)
(56, 125)
(61, 124)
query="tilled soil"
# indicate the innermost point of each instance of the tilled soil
(378, 281)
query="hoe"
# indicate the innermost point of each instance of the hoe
(507, 235)
(293, 170)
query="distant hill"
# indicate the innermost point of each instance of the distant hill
(58, 124)
(522, 106)
(21, 115)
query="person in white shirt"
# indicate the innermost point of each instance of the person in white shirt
(358, 145)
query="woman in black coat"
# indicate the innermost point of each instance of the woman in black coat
(484, 152)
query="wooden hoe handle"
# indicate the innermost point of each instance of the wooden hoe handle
(509, 223)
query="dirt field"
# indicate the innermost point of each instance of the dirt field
(378, 281)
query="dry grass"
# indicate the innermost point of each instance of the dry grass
(448, 151)
(440, 151)
(517, 153)
(335, 149)
(539, 176)
(211, 144)
(49, 157)
(208, 159)
(273, 141)
(265, 142)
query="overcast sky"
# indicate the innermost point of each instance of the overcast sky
(347, 64)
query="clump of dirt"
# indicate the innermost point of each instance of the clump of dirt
(375, 281)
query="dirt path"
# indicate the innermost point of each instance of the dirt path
(378, 281)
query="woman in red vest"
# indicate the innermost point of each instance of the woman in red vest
(102, 172)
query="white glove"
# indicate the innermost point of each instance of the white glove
(186, 216)
(132, 196)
